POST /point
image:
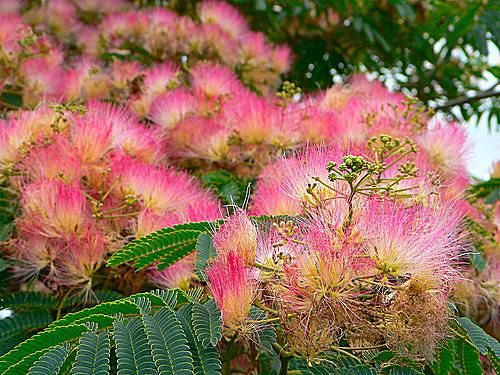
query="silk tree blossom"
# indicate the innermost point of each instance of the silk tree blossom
(170, 108)
(238, 234)
(447, 147)
(416, 242)
(54, 209)
(283, 188)
(233, 287)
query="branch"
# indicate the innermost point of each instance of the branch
(492, 92)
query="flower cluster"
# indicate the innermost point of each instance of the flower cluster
(82, 50)
(373, 269)
(88, 179)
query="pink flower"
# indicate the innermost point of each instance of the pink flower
(225, 16)
(158, 79)
(170, 108)
(54, 209)
(447, 147)
(178, 275)
(286, 182)
(212, 81)
(233, 288)
(160, 189)
(91, 137)
(239, 235)
(55, 161)
(199, 137)
(417, 242)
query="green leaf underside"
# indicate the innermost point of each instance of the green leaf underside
(168, 342)
(205, 360)
(92, 357)
(50, 362)
(207, 323)
(132, 348)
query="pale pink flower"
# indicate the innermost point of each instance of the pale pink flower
(420, 242)
(178, 275)
(55, 161)
(239, 235)
(212, 81)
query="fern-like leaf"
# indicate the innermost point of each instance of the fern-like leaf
(132, 348)
(206, 360)
(92, 357)
(21, 300)
(41, 341)
(482, 341)
(51, 361)
(22, 367)
(24, 321)
(264, 333)
(173, 242)
(207, 323)
(468, 358)
(205, 250)
(107, 308)
(168, 343)
(444, 359)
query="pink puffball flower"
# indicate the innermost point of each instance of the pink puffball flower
(225, 16)
(213, 81)
(160, 78)
(199, 137)
(42, 81)
(417, 242)
(54, 209)
(447, 146)
(281, 59)
(178, 275)
(170, 108)
(233, 287)
(160, 189)
(55, 161)
(292, 176)
(238, 234)
(91, 137)
(85, 254)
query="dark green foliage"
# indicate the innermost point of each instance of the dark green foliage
(444, 359)
(23, 322)
(231, 189)
(167, 246)
(132, 348)
(207, 323)
(481, 340)
(205, 358)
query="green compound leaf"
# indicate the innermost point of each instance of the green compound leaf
(207, 323)
(92, 357)
(132, 348)
(168, 343)
(51, 361)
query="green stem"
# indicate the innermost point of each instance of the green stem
(60, 306)
(284, 357)
(340, 350)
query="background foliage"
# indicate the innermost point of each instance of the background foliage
(435, 50)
